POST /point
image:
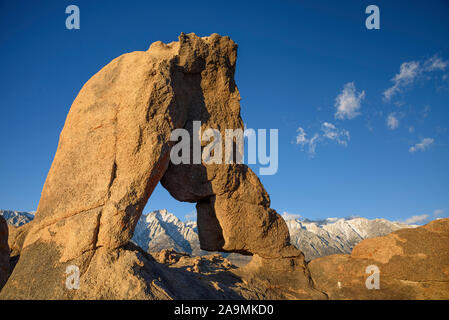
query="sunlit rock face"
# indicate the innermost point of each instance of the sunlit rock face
(410, 263)
(113, 151)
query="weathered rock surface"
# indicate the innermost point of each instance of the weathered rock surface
(413, 264)
(113, 151)
(4, 252)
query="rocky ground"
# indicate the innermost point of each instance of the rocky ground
(413, 264)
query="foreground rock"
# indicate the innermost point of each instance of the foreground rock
(4, 252)
(113, 151)
(413, 264)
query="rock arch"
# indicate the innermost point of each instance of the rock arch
(114, 149)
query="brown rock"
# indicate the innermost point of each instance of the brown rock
(169, 256)
(17, 237)
(114, 149)
(4, 252)
(278, 278)
(413, 264)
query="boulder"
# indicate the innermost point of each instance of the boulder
(411, 264)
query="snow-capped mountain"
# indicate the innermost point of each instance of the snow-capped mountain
(332, 236)
(161, 229)
(17, 218)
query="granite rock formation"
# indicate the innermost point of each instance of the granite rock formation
(412, 264)
(115, 148)
(113, 151)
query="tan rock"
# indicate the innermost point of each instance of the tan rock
(169, 256)
(413, 264)
(278, 278)
(114, 149)
(17, 236)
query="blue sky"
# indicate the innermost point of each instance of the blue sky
(301, 64)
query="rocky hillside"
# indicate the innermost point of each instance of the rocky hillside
(160, 229)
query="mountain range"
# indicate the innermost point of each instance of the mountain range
(334, 236)
(160, 229)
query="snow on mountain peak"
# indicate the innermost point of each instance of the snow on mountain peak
(17, 218)
(161, 229)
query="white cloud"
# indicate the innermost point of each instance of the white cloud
(411, 129)
(421, 146)
(329, 132)
(348, 102)
(313, 142)
(303, 141)
(290, 216)
(301, 137)
(423, 218)
(392, 121)
(409, 72)
(417, 219)
(435, 63)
